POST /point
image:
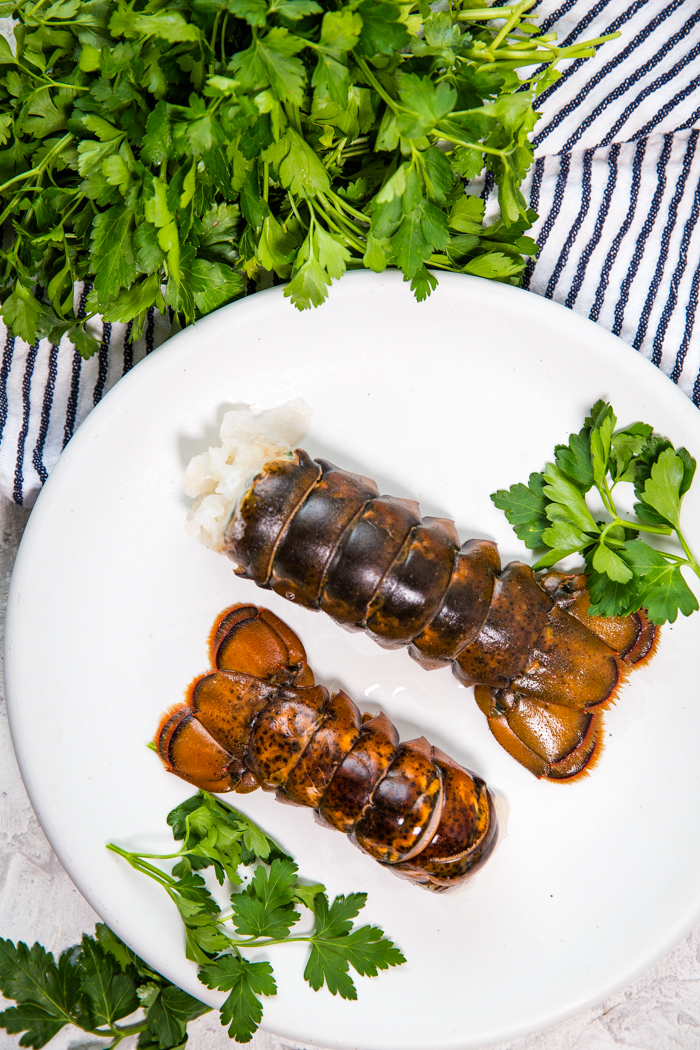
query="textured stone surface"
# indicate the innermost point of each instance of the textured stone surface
(660, 1011)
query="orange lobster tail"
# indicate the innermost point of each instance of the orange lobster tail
(406, 804)
(325, 539)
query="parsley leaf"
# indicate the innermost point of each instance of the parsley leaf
(112, 251)
(110, 992)
(336, 946)
(524, 507)
(265, 908)
(245, 981)
(662, 489)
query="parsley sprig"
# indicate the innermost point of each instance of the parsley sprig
(168, 155)
(93, 985)
(624, 572)
(263, 912)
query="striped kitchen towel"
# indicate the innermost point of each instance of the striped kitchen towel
(616, 183)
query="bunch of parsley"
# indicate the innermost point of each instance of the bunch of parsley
(262, 912)
(100, 981)
(168, 152)
(624, 573)
(93, 985)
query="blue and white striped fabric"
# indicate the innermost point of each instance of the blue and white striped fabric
(616, 183)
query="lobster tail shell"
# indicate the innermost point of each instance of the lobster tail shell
(323, 537)
(407, 805)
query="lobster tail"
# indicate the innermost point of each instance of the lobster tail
(323, 537)
(407, 805)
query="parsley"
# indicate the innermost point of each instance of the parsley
(624, 572)
(92, 985)
(263, 911)
(170, 155)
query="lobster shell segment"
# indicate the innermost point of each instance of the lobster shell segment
(328, 541)
(313, 534)
(365, 554)
(465, 833)
(403, 803)
(515, 623)
(265, 510)
(308, 781)
(407, 805)
(464, 606)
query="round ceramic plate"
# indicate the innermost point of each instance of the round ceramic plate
(111, 604)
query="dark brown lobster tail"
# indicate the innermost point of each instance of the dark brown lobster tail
(325, 539)
(406, 804)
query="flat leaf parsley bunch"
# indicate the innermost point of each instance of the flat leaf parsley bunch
(100, 982)
(168, 152)
(624, 573)
(261, 913)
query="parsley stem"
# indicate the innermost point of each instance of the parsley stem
(54, 84)
(677, 558)
(223, 36)
(606, 530)
(485, 14)
(346, 206)
(659, 530)
(441, 133)
(294, 209)
(439, 261)
(370, 77)
(606, 496)
(691, 560)
(40, 3)
(343, 228)
(150, 856)
(515, 17)
(215, 30)
(139, 865)
(293, 116)
(125, 1030)
(35, 171)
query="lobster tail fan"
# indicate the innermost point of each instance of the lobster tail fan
(189, 751)
(632, 637)
(256, 642)
(551, 740)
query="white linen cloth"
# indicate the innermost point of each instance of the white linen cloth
(616, 183)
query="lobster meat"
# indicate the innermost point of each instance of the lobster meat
(544, 670)
(259, 720)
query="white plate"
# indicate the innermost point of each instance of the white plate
(111, 604)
